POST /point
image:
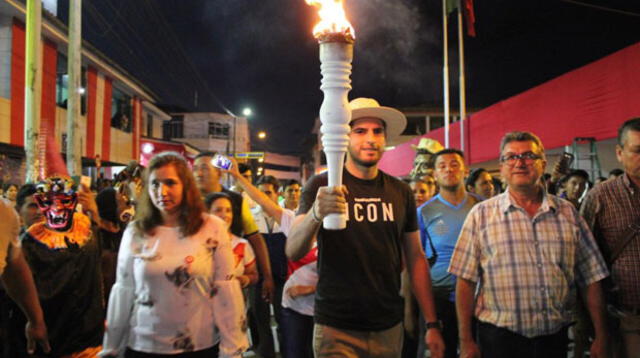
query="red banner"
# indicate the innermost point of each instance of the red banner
(591, 101)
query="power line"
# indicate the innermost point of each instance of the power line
(187, 59)
(146, 46)
(603, 8)
(125, 45)
(168, 68)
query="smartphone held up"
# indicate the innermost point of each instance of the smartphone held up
(222, 162)
(85, 181)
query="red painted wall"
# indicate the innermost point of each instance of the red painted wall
(48, 99)
(106, 120)
(92, 84)
(18, 51)
(135, 133)
(591, 101)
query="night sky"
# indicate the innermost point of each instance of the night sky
(223, 55)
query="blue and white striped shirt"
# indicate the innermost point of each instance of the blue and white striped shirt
(526, 268)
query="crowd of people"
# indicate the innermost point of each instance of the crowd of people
(165, 261)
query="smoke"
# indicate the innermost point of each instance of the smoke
(397, 46)
(397, 43)
(264, 51)
(245, 29)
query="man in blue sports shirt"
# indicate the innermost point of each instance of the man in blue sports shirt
(440, 220)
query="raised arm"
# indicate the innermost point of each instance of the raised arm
(271, 208)
(88, 201)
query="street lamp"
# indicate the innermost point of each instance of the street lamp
(246, 111)
(262, 135)
(147, 148)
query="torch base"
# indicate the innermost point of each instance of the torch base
(334, 222)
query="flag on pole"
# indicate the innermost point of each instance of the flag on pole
(451, 5)
(467, 10)
(470, 17)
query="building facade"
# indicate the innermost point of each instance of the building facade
(209, 131)
(116, 109)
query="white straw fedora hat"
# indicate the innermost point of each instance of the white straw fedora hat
(428, 144)
(394, 120)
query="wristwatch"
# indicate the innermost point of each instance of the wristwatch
(435, 324)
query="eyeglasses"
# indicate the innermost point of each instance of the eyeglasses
(527, 157)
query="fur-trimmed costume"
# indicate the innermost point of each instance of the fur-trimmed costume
(66, 271)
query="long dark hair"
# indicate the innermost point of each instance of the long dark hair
(191, 208)
(211, 197)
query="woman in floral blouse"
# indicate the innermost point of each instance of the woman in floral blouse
(175, 292)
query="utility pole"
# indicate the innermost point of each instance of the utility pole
(445, 70)
(235, 123)
(463, 96)
(31, 108)
(74, 71)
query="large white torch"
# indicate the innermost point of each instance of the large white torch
(336, 36)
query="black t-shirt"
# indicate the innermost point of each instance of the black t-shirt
(359, 267)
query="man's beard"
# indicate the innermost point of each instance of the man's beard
(366, 164)
(450, 188)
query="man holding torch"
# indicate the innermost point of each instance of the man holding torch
(358, 311)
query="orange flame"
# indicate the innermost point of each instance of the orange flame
(332, 18)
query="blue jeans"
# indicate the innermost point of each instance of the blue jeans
(297, 334)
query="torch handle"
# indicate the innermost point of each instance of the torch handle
(335, 163)
(335, 115)
(334, 152)
(334, 222)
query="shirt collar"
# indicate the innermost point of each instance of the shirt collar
(629, 184)
(444, 201)
(506, 202)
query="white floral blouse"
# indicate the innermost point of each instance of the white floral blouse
(176, 294)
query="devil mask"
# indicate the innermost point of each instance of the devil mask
(421, 164)
(57, 200)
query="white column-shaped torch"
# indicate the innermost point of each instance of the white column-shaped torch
(336, 38)
(335, 114)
